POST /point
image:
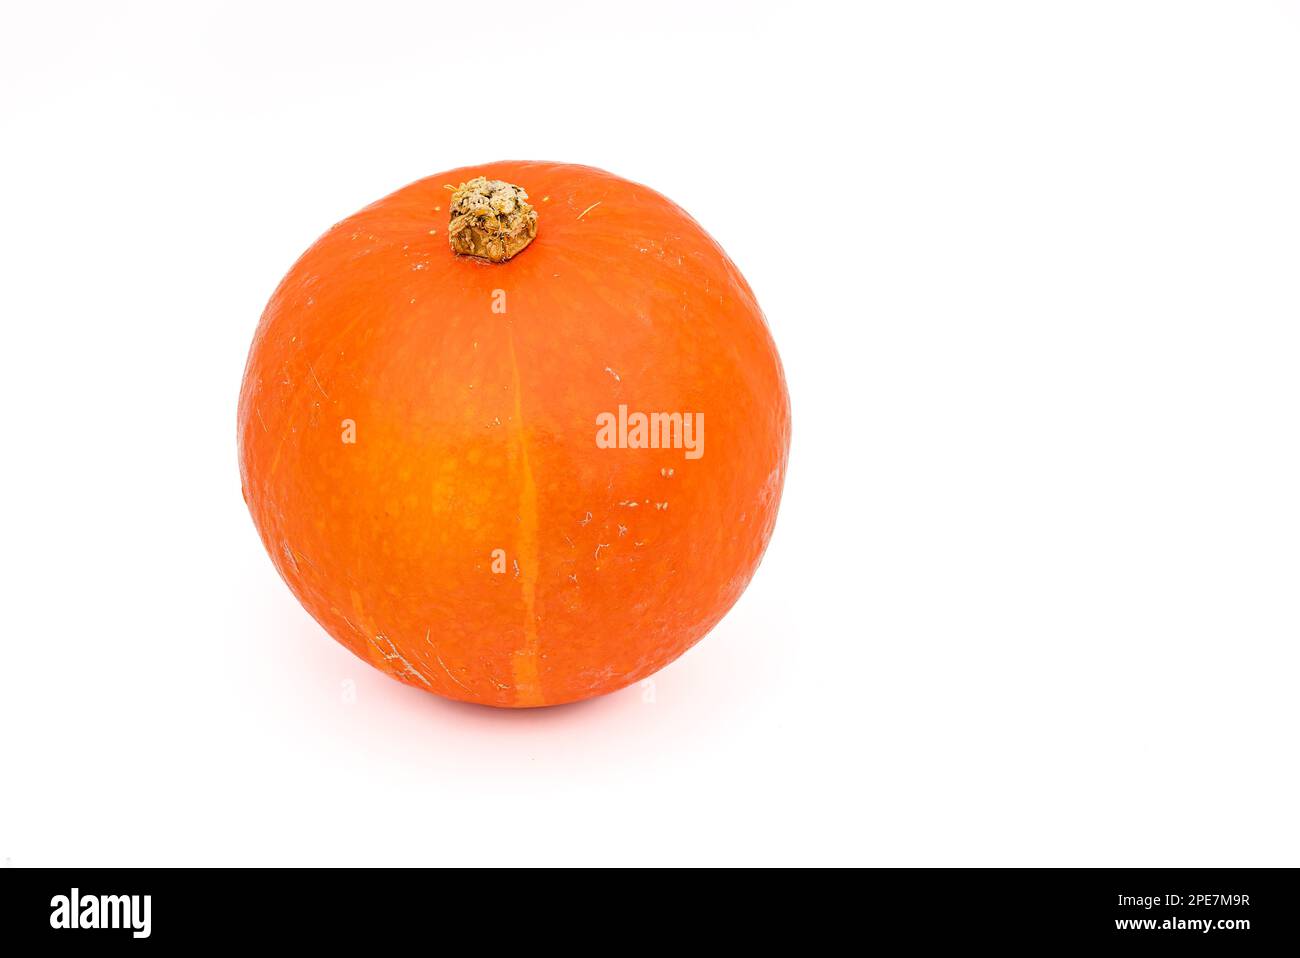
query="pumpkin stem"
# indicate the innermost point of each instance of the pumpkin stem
(490, 219)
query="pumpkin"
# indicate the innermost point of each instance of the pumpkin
(515, 434)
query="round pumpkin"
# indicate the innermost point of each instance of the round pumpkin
(515, 434)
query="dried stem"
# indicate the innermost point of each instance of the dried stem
(490, 219)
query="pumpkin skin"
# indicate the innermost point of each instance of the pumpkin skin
(473, 429)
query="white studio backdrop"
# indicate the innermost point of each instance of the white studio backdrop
(1032, 597)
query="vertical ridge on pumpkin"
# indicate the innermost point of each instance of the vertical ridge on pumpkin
(367, 631)
(527, 671)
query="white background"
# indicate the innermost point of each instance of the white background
(1033, 595)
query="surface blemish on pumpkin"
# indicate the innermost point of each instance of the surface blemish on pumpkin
(604, 577)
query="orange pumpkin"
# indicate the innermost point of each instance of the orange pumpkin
(515, 448)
